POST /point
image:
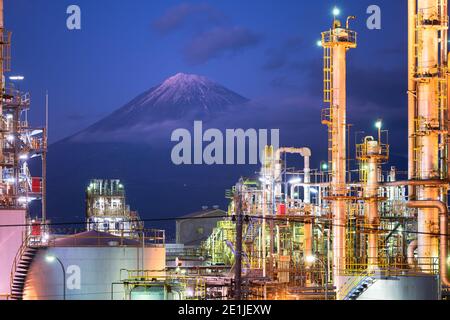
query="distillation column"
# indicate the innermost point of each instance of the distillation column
(427, 100)
(336, 43)
(371, 153)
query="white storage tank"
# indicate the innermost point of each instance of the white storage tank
(94, 263)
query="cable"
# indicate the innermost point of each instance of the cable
(228, 217)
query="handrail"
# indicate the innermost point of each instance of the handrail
(351, 283)
(17, 259)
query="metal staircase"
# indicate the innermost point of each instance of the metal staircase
(360, 288)
(20, 270)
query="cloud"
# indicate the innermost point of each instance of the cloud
(218, 41)
(278, 58)
(177, 16)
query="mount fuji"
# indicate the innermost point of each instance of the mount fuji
(182, 97)
(133, 144)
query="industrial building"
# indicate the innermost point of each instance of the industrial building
(332, 232)
(196, 227)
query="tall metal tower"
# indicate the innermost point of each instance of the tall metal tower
(336, 42)
(428, 116)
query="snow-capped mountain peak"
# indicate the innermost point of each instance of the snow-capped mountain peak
(182, 96)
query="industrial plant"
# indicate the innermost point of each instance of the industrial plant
(336, 232)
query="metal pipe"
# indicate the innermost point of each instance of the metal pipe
(308, 238)
(372, 210)
(410, 255)
(415, 183)
(411, 91)
(306, 154)
(443, 232)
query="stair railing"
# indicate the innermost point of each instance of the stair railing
(352, 283)
(17, 260)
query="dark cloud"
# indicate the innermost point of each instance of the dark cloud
(278, 58)
(177, 16)
(219, 41)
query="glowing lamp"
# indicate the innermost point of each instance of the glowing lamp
(336, 11)
(50, 259)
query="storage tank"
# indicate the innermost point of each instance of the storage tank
(93, 264)
(159, 291)
(10, 241)
(379, 286)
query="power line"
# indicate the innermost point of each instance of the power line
(246, 219)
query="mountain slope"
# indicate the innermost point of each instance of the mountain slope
(122, 147)
(181, 97)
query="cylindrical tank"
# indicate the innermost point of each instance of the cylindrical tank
(148, 293)
(93, 263)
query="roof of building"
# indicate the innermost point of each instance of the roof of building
(207, 212)
(92, 239)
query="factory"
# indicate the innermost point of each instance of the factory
(335, 232)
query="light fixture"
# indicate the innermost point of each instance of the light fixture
(16, 78)
(310, 259)
(295, 181)
(378, 124)
(264, 180)
(50, 258)
(45, 237)
(324, 166)
(319, 43)
(336, 11)
(189, 292)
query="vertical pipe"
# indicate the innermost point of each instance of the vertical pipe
(307, 172)
(44, 166)
(411, 92)
(238, 264)
(308, 238)
(441, 207)
(372, 211)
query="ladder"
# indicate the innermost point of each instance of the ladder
(328, 75)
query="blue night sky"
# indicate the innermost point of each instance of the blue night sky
(264, 50)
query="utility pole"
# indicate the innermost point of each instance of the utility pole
(44, 167)
(238, 263)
